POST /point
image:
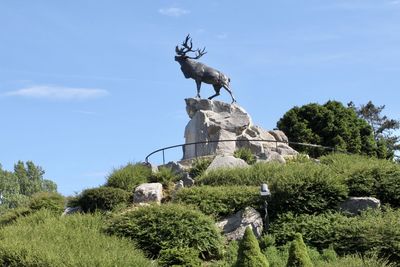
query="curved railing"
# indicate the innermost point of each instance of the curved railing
(162, 150)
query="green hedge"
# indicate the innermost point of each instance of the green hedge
(47, 200)
(102, 199)
(169, 226)
(220, 201)
(129, 176)
(374, 231)
(44, 239)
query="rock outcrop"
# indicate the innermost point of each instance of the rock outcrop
(235, 225)
(148, 192)
(355, 205)
(226, 162)
(212, 121)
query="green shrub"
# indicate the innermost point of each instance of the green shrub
(46, 200)
(372, 231)
(188, 257)
(44, 239)
(13, 214)
(128, 177)
(245, 154)
(165, 176)
(169, 226)
(199, 166)
(220, 201)
(249, 254)
(102, 198)
(368, 176)
(298, 255)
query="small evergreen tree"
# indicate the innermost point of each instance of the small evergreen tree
(298, 255)
(249, 252)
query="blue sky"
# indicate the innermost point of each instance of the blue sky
(87, 86)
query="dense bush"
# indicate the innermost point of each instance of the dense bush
(245, 154)
(372, 231)
(298, 255)
(13, 214)
(220, 201)
(188, 257)
(169, 226)
(46, 200)
(368, 176)
(165, 176)
(129, 176)
(44, 239)
(102, 198)
(199, 166)
(249, 254)
(297, 187)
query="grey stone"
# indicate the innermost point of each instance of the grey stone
(355, 205)
(226, 162)
(235, 225)
(71, 210)
(272, 156)
(148, 192)
(176, 167)
(187, 180)
(212, 121)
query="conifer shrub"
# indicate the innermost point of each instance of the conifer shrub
(169, 226)
(46, 200)
(165, 176)
(298, 255)
(220, 201)
(199, 166)
(245, 154)
(188, 257)
(13, 214)
(249, 254)
(46, 239)
(372, 231)
(129, 176)
(103, 199)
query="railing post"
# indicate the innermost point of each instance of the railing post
(195, 150)
(163, 157)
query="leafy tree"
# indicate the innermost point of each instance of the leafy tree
(383, 128)
(249, 252)
(332, 125)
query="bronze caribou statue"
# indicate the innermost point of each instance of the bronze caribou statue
(200, 72)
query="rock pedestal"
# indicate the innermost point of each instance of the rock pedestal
(212, 121)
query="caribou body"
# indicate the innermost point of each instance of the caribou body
(199, 71)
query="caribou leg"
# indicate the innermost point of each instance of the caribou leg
(198, 83)
(230, 92)
(217, 89)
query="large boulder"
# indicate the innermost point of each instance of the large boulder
(226, 162)
(211, 121)
(148, 192)
(355, 205)
(235, 225)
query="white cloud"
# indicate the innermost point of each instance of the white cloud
(58, 93)
(173, 11)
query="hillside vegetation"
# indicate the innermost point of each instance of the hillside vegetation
(306, 226)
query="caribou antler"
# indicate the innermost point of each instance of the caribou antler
(188, 47)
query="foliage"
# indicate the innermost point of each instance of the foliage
(199, 166)
(44, 239)
(102, 198)
(165, 176)
(46, 200)
(297, 187)
(368, 176)
(169, 226)
(13, 214)
(129, 176)
(383, 128)
(220, 201)
(298, 255)
(187, 257)
(373, 231)
(245, 154)
(331, 125)
(249, 254)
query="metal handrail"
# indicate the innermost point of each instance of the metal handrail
(235, 140)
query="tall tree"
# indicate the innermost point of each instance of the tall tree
(383, 128)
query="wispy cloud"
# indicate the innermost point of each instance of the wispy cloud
(173, 11)
(58, 93)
